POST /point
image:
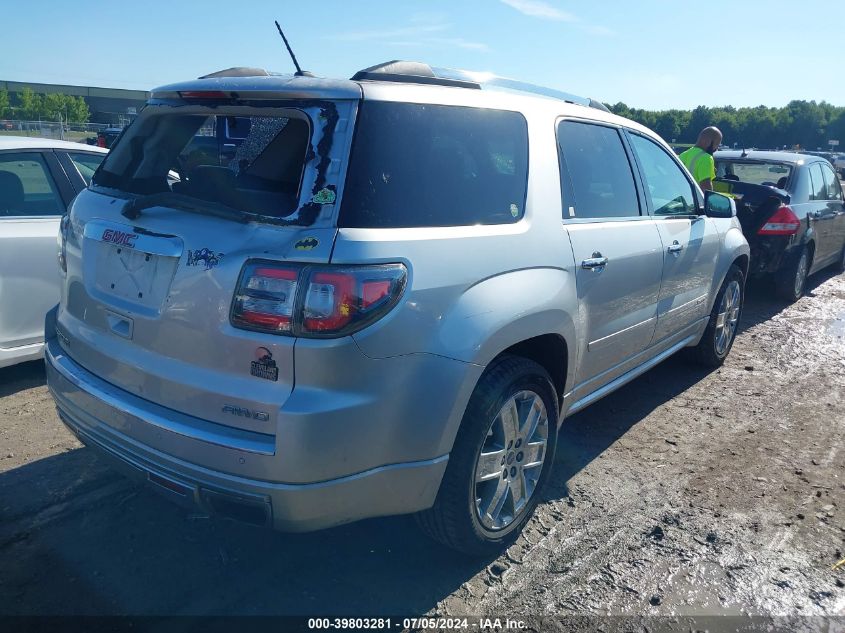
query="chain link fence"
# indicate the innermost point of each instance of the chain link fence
(81, 132)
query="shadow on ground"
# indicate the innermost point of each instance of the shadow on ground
(20, 377)
(117, 549)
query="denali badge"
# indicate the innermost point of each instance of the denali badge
(246, 413)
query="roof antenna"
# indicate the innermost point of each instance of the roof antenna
(299, 72)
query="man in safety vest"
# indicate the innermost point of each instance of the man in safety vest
(699, 158)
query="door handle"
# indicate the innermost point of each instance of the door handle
(597, 262)
(675, 248)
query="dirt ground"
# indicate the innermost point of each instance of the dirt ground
(684, 493)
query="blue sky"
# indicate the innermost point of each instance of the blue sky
(648, 53)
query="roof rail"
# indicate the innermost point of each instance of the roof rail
(410, 72)
(420, 73)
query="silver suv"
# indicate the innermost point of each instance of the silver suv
(384, 299)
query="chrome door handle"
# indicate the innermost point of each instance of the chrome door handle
(675, 247)
(597, 262)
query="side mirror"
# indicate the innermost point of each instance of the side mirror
(717, 205)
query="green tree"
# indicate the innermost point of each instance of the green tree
(29, 104)
(53, 106)
(77, 110)
(5, 109)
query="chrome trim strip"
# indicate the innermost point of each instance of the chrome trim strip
(599, 343)
(628, 376)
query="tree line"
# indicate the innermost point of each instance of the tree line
(32, 106)
(800, 124)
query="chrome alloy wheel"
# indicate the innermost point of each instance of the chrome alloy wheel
(511, 460)
(728, 317)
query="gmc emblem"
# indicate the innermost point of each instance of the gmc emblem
(246, 413)
(120, 238)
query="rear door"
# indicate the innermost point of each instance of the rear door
(33, 195)
(616, 246)
(690, 241)
(822, 216)
(835, 212)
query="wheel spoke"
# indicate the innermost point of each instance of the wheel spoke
(493, 508)
(518, 491)
(533, 454)
(510, 422)
(532, 420)
(489, 466)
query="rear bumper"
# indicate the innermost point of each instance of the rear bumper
(93, 410)
(770, 254)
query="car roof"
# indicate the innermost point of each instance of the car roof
(27, 142)
(768, 156)
(416, 83)
(261, 84)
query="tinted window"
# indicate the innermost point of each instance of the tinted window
(433, 165)
(86, 164)
(834, 189)
(818, 190)
(666, 186)
(596, 175)
(26, 187)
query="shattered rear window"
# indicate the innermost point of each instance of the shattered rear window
(258, 170)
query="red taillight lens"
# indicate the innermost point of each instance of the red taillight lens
(335, 301)
(101, 141)
(329, 302)
(783, 222)
(265, 298)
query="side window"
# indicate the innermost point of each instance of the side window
(86, 164)
(595, 172)
(834, 189)
(666, 186)
(818, 190)
(26, 187)
(417, 165)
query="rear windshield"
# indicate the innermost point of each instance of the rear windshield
(756, 173)
(415, 165)
(253, 164)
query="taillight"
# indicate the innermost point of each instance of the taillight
(315, 301)
(783, 222)
(265, 298)
(101, 141)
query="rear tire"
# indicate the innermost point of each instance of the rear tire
(791, 281)
(720, 334)
(841, 265)
(484, 499)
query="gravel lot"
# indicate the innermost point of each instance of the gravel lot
(686, 492)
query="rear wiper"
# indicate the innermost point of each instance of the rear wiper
(132, 208)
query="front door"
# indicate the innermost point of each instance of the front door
(690, 242)
(617, 249)
(30, 210)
